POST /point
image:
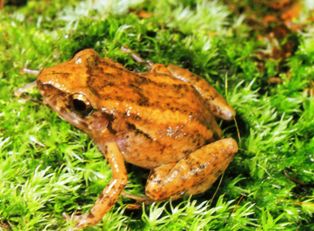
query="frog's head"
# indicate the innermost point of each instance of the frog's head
(65, 89)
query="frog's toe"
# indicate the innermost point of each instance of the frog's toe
(79, 221)
(137, 198)
(75, 221)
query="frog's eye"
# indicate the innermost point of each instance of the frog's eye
(80, 104)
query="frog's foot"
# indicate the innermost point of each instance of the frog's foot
(193, 174)
(28, 87)
(72, 219)
(137, 58)
(76, 221)
(139, 200)
(81, 221)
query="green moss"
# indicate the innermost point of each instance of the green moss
(48, 167)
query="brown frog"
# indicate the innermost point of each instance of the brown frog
(162, 120)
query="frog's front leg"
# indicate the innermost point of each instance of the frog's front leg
(29, 86)
(110, 194)
(193, 174)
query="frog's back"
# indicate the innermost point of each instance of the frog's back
(157, 115)
(122, 90)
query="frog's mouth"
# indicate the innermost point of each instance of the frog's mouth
(59, 102)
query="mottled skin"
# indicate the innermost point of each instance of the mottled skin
(161, 120)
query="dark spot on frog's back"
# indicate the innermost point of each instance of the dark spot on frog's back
(179, 86)
(187, 152)
(143, 101)
(97, 81)
(202, 165)
(92, 61)
(136, 117)
(132, 127)
(140, 80)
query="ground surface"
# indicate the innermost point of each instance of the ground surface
(258, 54)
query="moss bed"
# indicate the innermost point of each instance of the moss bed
(258, 54)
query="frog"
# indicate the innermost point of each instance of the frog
(162, 119)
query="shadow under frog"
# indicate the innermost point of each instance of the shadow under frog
(162, 120)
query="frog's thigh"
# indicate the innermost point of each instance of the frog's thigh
(110, 194)
(216, 102)
(193, 174)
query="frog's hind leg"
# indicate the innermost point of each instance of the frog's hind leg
(217, 104)
(136, 56)
(193, 174)
(110, 194)
(159, 69)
